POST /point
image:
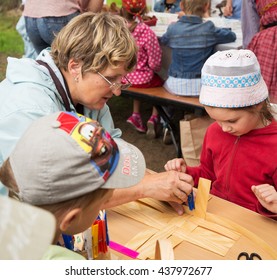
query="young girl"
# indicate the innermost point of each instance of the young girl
(149, 62)
(239, 149)
(192, 41)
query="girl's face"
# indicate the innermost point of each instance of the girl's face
(93, 91)
(235, 122)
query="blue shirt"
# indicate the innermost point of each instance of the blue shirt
(192, 41)
(160, 7)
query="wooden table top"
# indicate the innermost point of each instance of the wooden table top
(249, 231)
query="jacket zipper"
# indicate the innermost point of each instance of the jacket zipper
(228, 173)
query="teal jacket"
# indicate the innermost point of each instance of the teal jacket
(28, 93)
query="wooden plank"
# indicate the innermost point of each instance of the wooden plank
(215, 227)
(142, 237)
(210, 241)
(146, 216)
(202, 197)
(164, 250)
(243, 231)
(147, 250)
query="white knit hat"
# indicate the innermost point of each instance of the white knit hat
(232, 79)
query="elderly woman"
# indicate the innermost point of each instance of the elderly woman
(84, 66)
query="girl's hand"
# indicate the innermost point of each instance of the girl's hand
(177, 164)
(267, 196)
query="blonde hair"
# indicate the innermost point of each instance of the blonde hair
(98, 40)
(195, 7)
(58, 209)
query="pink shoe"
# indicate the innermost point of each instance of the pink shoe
(152, 127)
(136, 121)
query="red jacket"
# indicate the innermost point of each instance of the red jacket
(234, 164)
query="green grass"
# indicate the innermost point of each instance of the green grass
(118, 2)
(11, 42)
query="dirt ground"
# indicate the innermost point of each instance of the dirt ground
(156, 153)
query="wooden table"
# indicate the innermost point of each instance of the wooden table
(259, 232)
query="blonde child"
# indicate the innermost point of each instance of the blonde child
(192, 41)
(239, 148)
(148, 63)
(69, 165)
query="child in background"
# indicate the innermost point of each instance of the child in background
(239, 149)
(264, 44)
(232, 9)
(149, 62)
(167, 6)
(68, 164)
(192, 41)
(29, 50)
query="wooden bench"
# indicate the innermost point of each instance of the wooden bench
(160, 97)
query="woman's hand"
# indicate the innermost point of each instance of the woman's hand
(171, 186)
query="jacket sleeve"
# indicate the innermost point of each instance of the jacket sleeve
(263, 211)
(224, 35)
(165, 38)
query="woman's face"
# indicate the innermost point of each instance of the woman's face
(93, 91)
(235, 122)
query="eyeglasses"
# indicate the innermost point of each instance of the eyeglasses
(116, 86)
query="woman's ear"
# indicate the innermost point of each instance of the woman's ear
(70, 218)
(74, 68)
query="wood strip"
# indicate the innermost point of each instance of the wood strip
(215, 228)
(147, 219)
(138, 240)
(164, 250)
(243, 231)
(175, 240)
(147, 250)
(205, 242)
(158, 205)
(217, 240)
(201, 200)
(179, 221)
